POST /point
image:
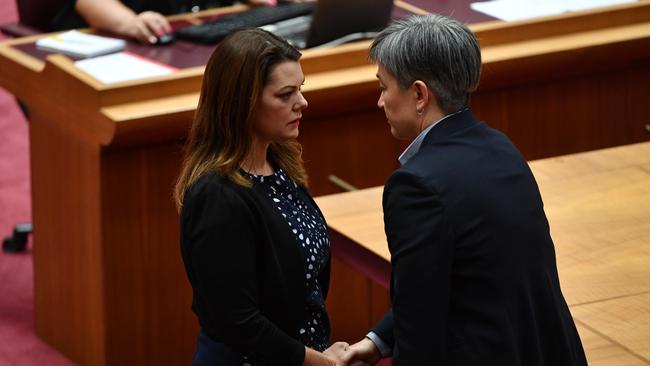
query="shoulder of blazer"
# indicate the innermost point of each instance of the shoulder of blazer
(450, 126)
(218, 192)
(413, 172)
(205, 186)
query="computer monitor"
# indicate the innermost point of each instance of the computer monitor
(334, 19)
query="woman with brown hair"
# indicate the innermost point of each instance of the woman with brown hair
(254, 243)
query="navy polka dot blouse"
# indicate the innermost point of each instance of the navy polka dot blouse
(311, 236)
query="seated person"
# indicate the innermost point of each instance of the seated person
(143, 20)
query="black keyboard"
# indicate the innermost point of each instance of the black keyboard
(214, 31)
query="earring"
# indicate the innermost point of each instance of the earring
(418, 111)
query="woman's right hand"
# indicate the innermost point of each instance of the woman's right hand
(145, 27)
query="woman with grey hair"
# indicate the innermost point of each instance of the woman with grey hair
(474, 277)
(439, 52)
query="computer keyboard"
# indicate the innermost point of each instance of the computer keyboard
(214, 31)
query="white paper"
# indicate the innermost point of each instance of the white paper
(122, 66)
(576, 5)
(80, 44)
(512, 10)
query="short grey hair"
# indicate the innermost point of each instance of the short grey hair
(440, 51)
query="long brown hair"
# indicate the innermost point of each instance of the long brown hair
(221, 134)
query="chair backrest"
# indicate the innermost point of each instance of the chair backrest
(39, 13)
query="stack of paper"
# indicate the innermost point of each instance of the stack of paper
(511, 10)
(79, 44)
(122, 66)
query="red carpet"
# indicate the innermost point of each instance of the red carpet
(18, 343)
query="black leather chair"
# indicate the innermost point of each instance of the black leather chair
(17, 242)
(34, 17)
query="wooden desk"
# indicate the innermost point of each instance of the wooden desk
(109, 283)
(598, 205)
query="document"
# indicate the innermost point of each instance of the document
(122, 66)
(80, 44)
(512, 10)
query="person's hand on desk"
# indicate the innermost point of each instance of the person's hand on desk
(113, 16)
(146, 27)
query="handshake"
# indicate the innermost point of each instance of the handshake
(362, 353)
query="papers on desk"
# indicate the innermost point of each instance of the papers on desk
(79, 44)
(512, 10)
(122, 66)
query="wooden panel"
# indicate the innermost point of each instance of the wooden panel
(625, 321)
(348, 303)
(498, 32)
(358, 149)
(68, 278)
(602, 352)
(570, 115)
(148, 297)
(601, 234)
(354, 304)
(379, 302)
(605, 270)
(358, 216)
(592, 162)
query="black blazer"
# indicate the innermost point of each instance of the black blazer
(474, 279)
(245, 268)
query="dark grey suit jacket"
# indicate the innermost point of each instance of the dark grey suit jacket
(474, 278)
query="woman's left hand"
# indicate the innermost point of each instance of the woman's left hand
(337, 350)
(327, 358)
